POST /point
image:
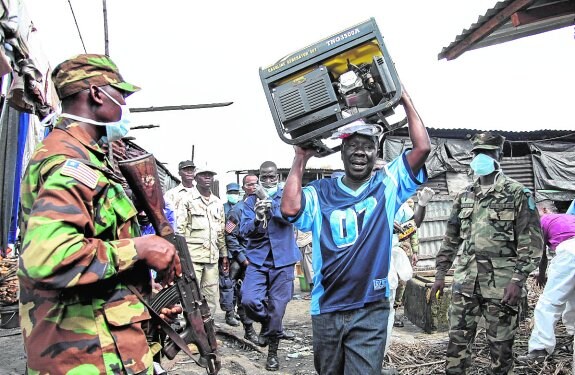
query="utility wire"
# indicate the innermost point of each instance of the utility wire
(77, 27)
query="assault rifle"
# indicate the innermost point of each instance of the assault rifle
(142, 177)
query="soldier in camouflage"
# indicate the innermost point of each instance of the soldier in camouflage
(79, 250)
(494, 233)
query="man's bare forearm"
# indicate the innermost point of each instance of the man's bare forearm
(418, 135)
(291, 198)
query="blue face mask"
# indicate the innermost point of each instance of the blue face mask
(483, 165)
(114, 130)
(233, 198)
(118, 129)
(271, 190)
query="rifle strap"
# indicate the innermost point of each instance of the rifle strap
(166, 327)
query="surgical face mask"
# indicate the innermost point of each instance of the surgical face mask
(233, 198)
(114, 130)
(483, 165)
(274, 189)
(271, 190)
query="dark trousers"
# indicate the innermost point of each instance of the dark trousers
(266, 291)
(238, 274)
(351, 342)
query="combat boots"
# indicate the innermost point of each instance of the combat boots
(262, 340)
(231, 319)
(272, 363)
(251, 334)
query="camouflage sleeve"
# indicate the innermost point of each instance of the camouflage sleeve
(221, 241)
(451, 241)
(527, 236)
(56, 252)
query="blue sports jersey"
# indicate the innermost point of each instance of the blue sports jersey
(352, 235)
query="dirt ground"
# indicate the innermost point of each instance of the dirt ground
(296, 357)
(423, 353)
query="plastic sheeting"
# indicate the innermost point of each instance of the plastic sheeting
(447, 155)
(549, 169)
(554, 170)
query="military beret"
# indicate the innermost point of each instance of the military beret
(82, 71)
(186, 163)
(487, 141)
(232, 186)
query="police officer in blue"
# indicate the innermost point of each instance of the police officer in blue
(233, 196)
(227, 288)
(237, 255)
(272, 252)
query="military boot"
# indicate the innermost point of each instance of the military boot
(251, 334)
(231, 319)
(272, 363)
(262, 340)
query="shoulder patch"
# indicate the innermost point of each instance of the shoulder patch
(80, 172)
(530, 199)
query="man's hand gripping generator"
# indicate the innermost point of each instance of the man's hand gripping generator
(331, 83)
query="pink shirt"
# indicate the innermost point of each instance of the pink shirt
(557, 228)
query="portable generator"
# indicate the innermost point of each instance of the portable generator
(331, 83)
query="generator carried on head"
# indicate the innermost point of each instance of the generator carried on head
(331, 83)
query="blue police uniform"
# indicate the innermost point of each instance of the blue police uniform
(232, 186)
(235, 242)
(236, 245)
(272, 253)
(227, 208)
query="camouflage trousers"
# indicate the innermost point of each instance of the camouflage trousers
(464, 315)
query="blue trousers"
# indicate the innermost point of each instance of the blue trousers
(351, 342)
(266, 292)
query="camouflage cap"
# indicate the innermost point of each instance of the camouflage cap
(186, 163)
(80, 72)
(487, 141)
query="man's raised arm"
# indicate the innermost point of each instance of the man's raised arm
(418, 134)
(291, 199)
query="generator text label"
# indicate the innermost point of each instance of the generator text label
(343, 36)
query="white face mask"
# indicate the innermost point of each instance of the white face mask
(114, 130)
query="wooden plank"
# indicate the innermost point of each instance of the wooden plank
(487, 28)
(528, 16)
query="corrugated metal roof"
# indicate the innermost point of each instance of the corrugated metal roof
(512, 136)
(496, 25)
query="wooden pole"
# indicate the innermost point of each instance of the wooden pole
(106, 47)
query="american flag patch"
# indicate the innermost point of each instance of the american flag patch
(230, 226)
(80, 172)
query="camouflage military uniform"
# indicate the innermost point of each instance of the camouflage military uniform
(76, 313)
(76, 261)
(201, 221)
(497, 240)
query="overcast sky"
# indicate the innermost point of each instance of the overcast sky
(191, 52)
